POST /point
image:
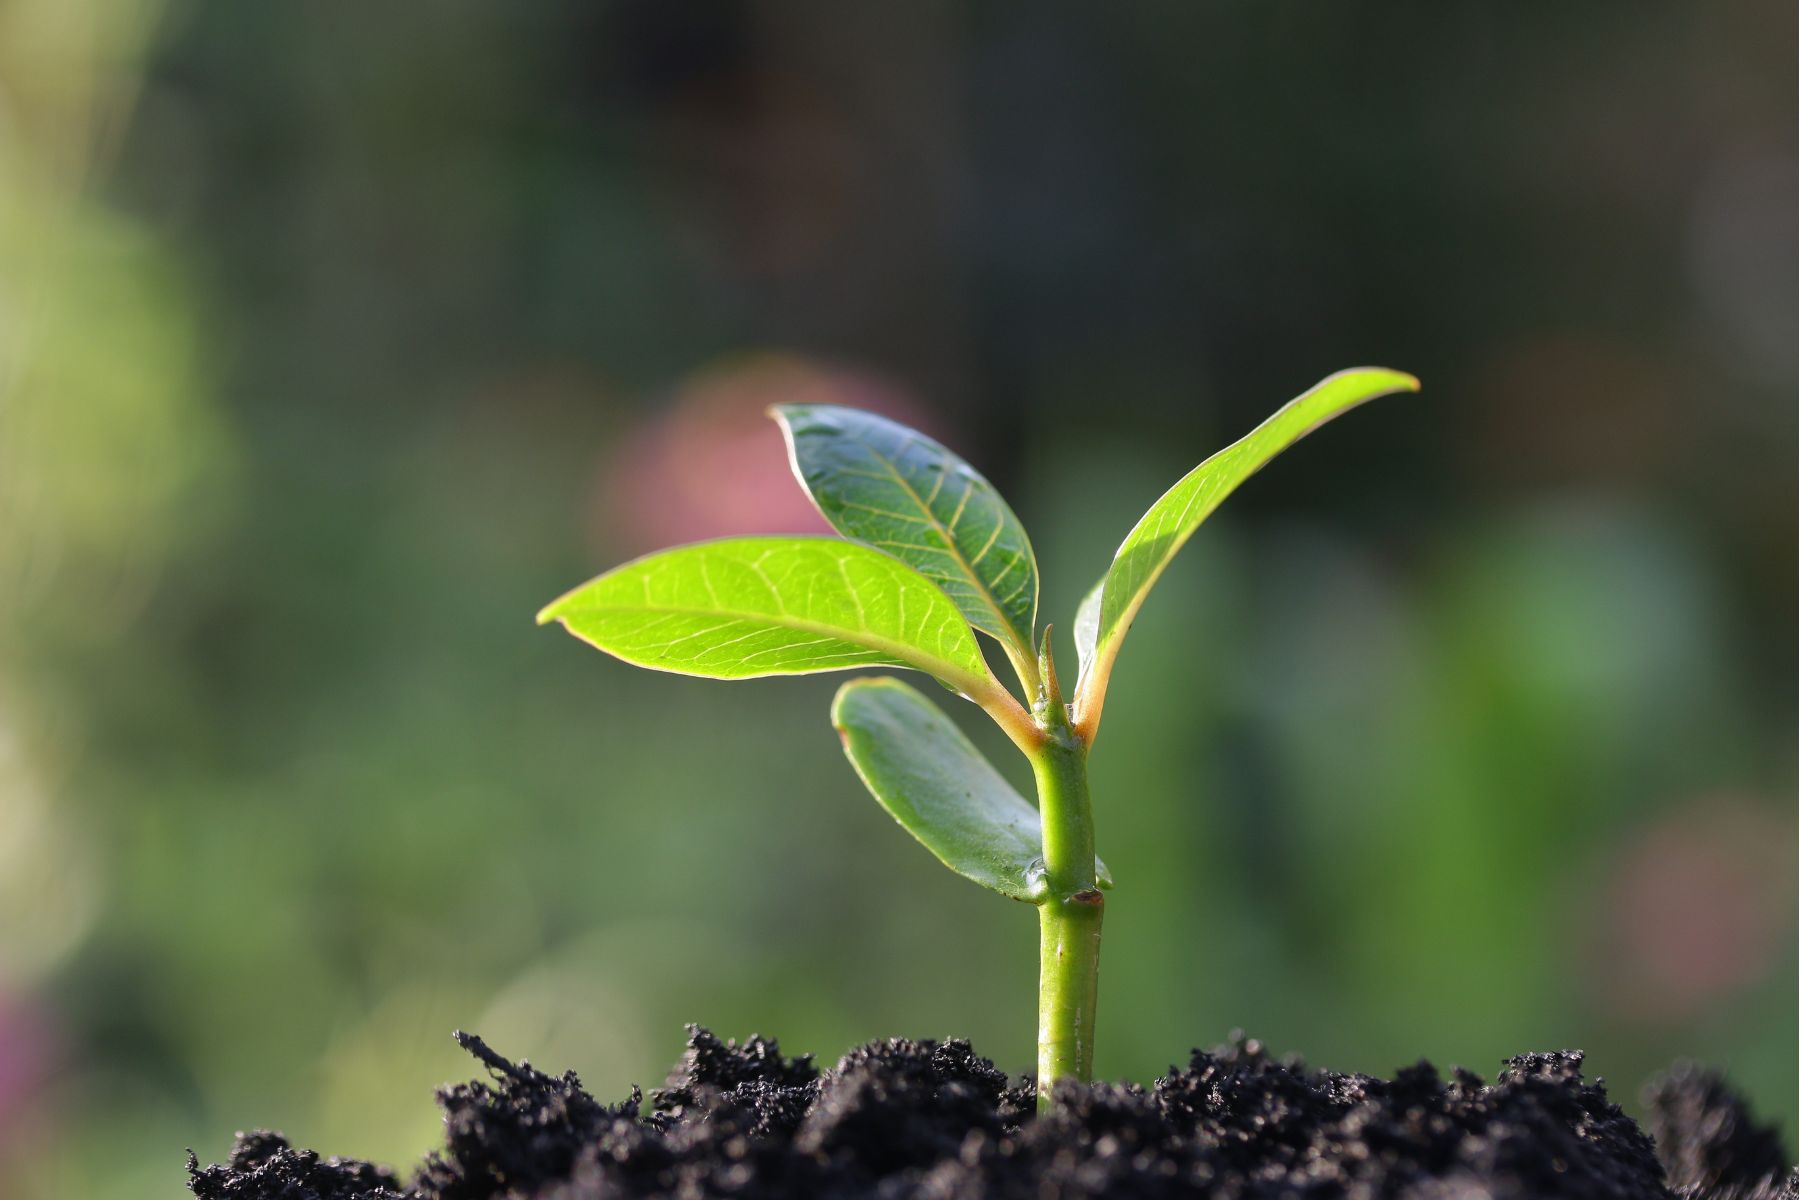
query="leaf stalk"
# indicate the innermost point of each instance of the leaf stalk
(1004, 709)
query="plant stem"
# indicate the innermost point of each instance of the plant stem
(1069, 915)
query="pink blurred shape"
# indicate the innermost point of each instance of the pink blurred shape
(27, 1052)
(1696, 909)
(712, 464)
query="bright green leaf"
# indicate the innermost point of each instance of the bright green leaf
(1164, 529)
(928, 776)
(746, 607)
(882, 483)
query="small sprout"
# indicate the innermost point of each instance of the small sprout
(932, 557)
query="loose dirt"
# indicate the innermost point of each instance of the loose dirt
(923, 1120)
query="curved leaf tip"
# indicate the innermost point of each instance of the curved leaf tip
(1106, 613)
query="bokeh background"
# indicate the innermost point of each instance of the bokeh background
(336, 338)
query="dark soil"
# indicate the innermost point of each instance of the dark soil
(932, 1121)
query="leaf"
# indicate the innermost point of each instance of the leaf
(1166, 527)
(897, 490)
(928, 776)
(1087, 630)
(747, 607)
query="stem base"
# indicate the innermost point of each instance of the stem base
(1068, 989)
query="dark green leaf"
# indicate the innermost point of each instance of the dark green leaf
(928, 776)
(882, 483)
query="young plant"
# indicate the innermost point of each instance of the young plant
(934, 556)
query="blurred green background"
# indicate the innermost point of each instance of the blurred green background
(336, 338)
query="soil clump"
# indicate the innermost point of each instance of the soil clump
(926, 1120)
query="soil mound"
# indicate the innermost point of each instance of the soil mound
(924, 1120)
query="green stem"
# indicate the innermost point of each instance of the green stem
(1070, 913)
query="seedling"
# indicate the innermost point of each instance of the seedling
(931, 556)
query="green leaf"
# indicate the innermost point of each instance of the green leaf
(1164, 529)
(1087, 630)
(928, 776)
(881, 483)
(747, 607)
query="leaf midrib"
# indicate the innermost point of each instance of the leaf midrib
(871, 641)
(950, 538)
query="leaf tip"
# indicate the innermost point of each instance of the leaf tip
(1388, 378)
(558, 609)
(845, 690)
(1396, 381)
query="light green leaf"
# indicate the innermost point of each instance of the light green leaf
(1164, 529)
(1087, 630)
(881, 483)
(921, 768)
(746, 607)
